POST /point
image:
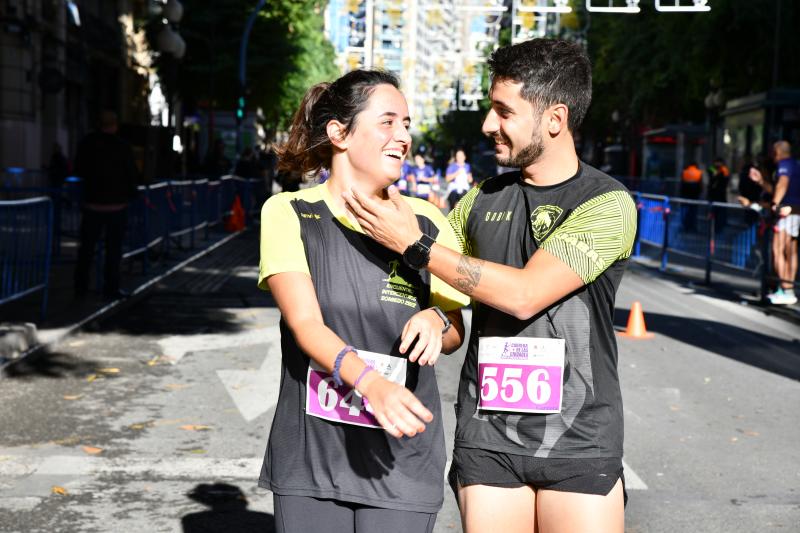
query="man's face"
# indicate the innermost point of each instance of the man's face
(514, 125)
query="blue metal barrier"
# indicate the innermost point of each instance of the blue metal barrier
(712, 234)
(162, 215)
(26, 232)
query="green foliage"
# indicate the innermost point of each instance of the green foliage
(657, 68)
(287, 53)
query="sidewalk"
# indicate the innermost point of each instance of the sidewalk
(726, 284)
(22, 329)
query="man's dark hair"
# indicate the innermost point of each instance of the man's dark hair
(551, 72)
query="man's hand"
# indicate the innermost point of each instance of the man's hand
(390, 222)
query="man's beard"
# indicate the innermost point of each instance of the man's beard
(527, 156)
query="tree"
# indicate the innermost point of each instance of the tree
(287, 53)
(656, 67)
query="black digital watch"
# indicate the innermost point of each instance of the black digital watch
(418, 254)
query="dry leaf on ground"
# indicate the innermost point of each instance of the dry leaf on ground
(72, 396)
(92, 450)
(195, 427)
(108, 370)
(59, 490)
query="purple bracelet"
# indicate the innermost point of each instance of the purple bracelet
(361, 375)
(337, 365)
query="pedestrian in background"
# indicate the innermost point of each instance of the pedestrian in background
(459, 178)
(216, 163)
(247, 166)
(334, 462)
(107, 168)
(691, 188)
(422, 179)
(718, 178)
(785, 189)
(57, 167)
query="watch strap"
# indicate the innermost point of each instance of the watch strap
(426, 240)
(444, 318)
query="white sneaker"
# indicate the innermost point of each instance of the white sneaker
(785, 298)
(773, 296)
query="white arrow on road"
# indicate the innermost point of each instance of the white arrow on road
(255, 391)
(176, 346)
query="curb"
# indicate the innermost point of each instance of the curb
(34, 344)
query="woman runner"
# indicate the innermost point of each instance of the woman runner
(357, 442)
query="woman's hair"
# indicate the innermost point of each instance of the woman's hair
(308, 148)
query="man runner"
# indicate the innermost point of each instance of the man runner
(538, 443)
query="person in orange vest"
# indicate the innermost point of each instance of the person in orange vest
(691, 187)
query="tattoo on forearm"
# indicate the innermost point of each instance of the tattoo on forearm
(471, 268)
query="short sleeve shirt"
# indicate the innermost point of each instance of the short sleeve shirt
(366, 294)
(791, 169)
(589, 223)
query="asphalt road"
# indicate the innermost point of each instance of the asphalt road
(157, 419)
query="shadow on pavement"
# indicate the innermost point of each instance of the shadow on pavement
(228, 512)
(50, 365)
(756, 349)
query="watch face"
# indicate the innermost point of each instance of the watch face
(416, 256)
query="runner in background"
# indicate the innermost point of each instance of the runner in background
(423, 178)
(357, 442)
(459, 178)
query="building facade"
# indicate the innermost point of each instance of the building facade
(62, 64)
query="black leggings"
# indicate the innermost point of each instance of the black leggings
(302, 514)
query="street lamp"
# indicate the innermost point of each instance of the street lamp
(714, 101)
(172, 47)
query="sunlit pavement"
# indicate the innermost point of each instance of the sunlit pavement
(157, 419)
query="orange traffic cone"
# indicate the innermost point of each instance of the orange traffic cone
(636, 328)
(235, 221)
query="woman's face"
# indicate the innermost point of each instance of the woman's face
(460, 157)
(379, 141)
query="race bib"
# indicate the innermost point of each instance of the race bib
(520, 374)
(423, 188)
(343, 404)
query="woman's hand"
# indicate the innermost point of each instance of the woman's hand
(426, 328)
(395, 407)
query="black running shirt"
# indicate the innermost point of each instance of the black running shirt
(366, 295)
(588, 222)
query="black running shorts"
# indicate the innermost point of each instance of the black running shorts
(472, 466)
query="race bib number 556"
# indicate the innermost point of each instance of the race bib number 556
(343, 404)
(520, 374)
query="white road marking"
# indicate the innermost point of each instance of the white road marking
(161, 467)
(255, 391)
(175, 347)
(632, 480)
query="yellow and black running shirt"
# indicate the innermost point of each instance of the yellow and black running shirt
(366, 295)
(588, 222)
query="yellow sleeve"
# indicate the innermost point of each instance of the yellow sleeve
(598, 233)
(442, 294)
(458, 219)
(281, 247)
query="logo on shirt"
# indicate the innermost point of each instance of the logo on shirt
(542, 220)
(397, 289)
(497, 216)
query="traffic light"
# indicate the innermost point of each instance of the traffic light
(240, 109)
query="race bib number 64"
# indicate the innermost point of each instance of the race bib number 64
(343, 404)
(520, 374)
